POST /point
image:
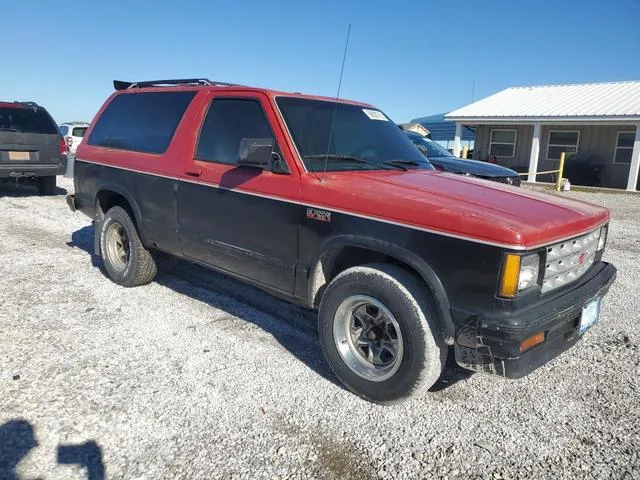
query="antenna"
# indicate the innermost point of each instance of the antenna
(335, 108)
(473, 89)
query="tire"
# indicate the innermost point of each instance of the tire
(420, 352)
(46, 185)
(126, 260)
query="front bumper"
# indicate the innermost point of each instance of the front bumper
(491, 342)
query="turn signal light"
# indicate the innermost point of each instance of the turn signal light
(510, 276)
(532, 341)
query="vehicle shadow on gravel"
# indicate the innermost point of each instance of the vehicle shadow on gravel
(11, 189)
(294, 327)
(17, 439)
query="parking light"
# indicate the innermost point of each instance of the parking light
(518, 273)
(510, 276)
(532, 341)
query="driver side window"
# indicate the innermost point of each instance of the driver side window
(227, 122)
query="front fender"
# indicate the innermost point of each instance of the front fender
(403, 255)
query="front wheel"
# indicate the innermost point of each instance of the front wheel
(126, 260)
(380, 333)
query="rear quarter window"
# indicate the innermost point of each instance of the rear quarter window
(64, 130)
(141, 122)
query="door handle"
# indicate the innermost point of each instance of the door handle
(193, 172)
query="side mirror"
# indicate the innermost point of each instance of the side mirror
(255, 152)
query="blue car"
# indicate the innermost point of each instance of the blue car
(441, 159)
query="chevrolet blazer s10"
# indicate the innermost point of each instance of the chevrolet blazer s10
(328, 204)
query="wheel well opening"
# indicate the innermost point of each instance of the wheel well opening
(338, 259)
(106, 199)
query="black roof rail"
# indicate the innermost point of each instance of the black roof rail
(121, 85)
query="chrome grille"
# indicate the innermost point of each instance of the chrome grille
(567, 261)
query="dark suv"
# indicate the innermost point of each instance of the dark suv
(328, 204)
(31, 146)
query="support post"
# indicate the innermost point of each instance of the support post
(632, 181)
(456, 141)
(535, 152)
(560, 172)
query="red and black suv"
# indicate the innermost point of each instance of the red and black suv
(328, 204)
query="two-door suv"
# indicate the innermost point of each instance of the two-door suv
(328, 204)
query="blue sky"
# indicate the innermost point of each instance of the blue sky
(408, 58)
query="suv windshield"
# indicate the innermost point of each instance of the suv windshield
(362, 138)
(430, 148)
(26, 120)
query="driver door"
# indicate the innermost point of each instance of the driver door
(240, 219)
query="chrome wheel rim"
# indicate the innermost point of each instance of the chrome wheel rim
(368, 338)
(118, 247)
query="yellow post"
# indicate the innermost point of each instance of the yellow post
(465, 151)
(560, 171)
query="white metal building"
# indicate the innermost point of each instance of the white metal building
(526, 128)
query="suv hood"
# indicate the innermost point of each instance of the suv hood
(474, 167)
(456, 206)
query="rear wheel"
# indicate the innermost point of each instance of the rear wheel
(126, 260)
(46, 185)
(380, 333)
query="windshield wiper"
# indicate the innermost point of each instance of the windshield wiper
(405, 162)
(7, 129)
(356, 159)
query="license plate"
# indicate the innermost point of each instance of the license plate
(590, 315)
(19, 156)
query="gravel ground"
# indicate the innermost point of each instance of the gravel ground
(199, 376)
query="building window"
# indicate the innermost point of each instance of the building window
(562, 141)
(624, 147)
(503, 143)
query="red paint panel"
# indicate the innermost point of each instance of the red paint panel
(455, 205)
(250, 180)
(11, 105)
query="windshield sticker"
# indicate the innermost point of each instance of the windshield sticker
(375, 114)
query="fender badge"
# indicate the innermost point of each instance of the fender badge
(320, 215)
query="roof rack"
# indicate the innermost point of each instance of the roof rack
(28, 104)
(121, 85)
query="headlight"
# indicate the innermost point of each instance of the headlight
(529, 268)
(519, 273)
(603, 238)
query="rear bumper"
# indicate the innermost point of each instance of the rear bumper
(26, 170)
(491, 342)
